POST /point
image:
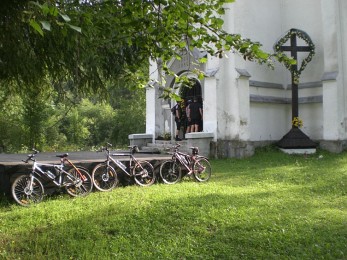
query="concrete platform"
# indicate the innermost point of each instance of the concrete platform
(299, 151)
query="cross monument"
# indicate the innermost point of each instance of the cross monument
(295, 138)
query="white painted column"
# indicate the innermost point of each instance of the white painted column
(228, 111)
(333, 92)
(210, 107)
(154, 113)
(244, 103)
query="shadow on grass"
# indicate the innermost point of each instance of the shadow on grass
(206, 225)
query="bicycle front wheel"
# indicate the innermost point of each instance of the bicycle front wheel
(104, 177)
(202, 170)
(78, 184)
(143, 173)
(170, 172)
(25, 192)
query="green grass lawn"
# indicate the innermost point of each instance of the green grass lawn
(269, 206)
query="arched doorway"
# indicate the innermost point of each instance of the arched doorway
(188, 93)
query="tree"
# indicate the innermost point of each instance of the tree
(92, 41)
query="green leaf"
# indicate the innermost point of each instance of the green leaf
(46, 25)
(36, 26)
(203, 60)
(182, 44)
(65, 17)
(76, 28)
(54, 11)
(201, 76)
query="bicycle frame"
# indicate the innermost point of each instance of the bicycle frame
(186, 160)
(27, 189)
(104, 174)
(183, 158)
(37, 170)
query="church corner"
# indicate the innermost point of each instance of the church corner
(246, 105)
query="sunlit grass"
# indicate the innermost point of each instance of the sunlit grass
(269, 206)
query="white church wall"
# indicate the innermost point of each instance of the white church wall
(266, 21)
(306, 15)
(334, 84)
(269, 121)
(280, 17)
(343, 56)
(210, 107)
(260, 21)
(227, 91)
(312, 116)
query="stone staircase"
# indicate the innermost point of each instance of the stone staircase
(161, 146)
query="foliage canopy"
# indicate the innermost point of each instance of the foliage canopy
(91, 41)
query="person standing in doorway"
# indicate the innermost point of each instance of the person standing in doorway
(188, 123)
(195, 115)
(178, 113)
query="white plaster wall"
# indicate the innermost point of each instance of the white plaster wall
(312, 117)
(334, 30)
(151, 100)
(266, 21)
(269, 121)
(227, 91)
(342, 7)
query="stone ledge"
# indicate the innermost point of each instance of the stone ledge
(140, 136)
(198, 135)
(299, 151)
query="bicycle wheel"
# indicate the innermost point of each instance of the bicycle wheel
(104, 177)
(25, 195)
(77, 185)
(202, 169)
(143, 173)
(170, 172)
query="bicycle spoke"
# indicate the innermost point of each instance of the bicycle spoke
(144, 174)
(170, 172)
(24, 194)
(104, 177)
(79, 185)
(202, 170)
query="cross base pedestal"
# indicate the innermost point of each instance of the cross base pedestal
(296, 139)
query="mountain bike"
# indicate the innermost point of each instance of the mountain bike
(191, 164)
(28, 189)
(104, 175)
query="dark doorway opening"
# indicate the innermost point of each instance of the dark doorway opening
(188, 93)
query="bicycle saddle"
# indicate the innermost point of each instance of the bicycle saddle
(62, 155)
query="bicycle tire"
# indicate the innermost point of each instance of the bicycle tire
(78, 187)
(143, 173)
(104, 177)
(22, 195)
(202, 170)
(170, 172)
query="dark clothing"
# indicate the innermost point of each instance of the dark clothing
(178, 123)
(195, 111)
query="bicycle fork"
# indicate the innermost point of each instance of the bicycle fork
(28, 190)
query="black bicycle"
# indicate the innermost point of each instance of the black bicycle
(104, 175)
(28, 189)
(195, 165)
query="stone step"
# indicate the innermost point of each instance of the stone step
(164, 146)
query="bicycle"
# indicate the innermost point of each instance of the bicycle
(193, 164)
(105, 176)
(28, 189)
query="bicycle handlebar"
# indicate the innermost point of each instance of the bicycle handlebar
(31, 156)
(104, 148)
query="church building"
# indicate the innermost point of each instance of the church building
(246, 105)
